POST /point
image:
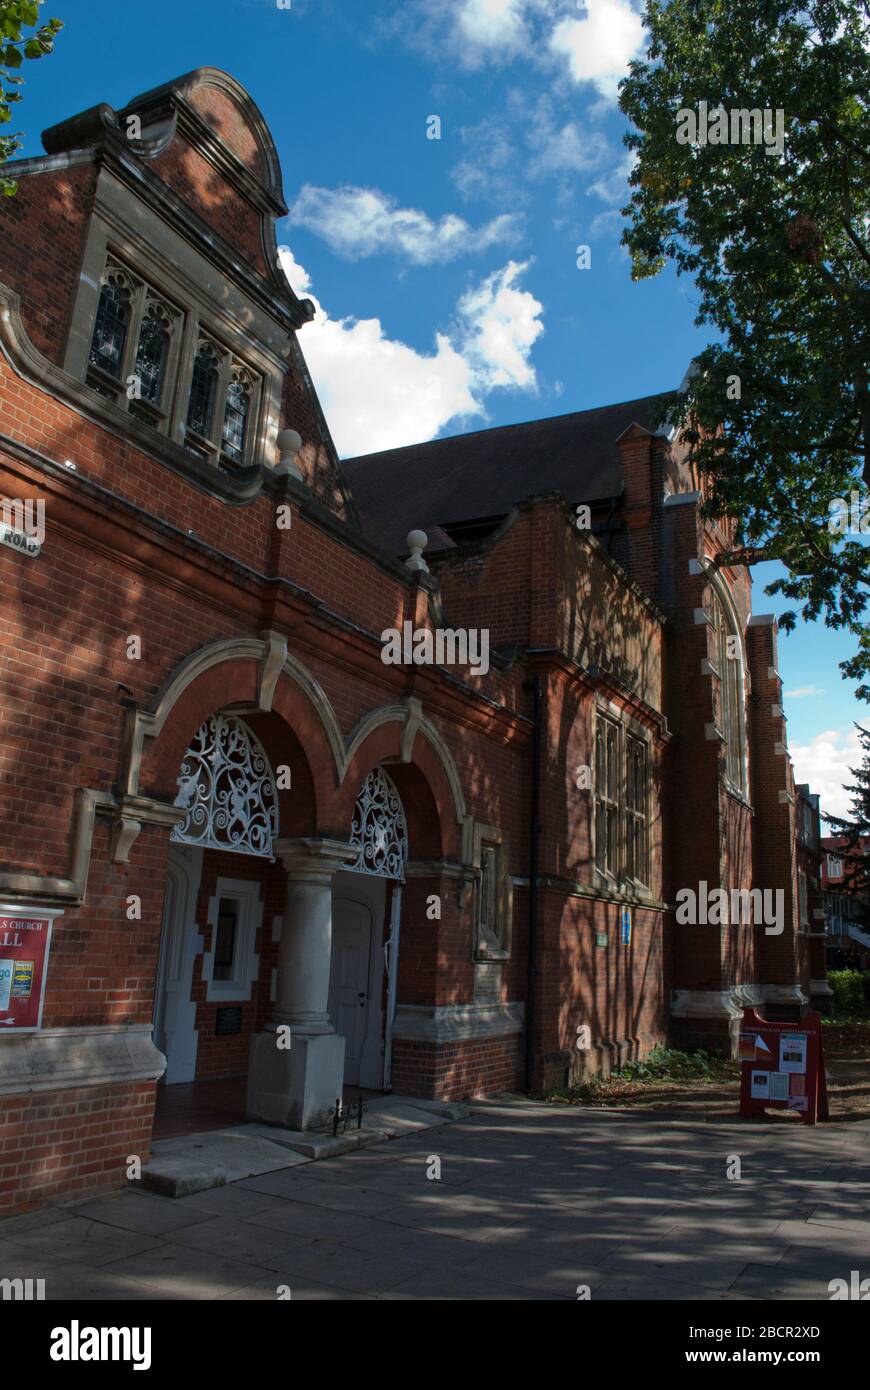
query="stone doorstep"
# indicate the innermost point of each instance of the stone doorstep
(180, 1167)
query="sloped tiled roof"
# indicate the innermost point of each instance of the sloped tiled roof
(484, 474)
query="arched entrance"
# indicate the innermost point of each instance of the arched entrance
(227, 789)
(366, 907)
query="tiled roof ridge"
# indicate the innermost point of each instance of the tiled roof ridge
(517, 425)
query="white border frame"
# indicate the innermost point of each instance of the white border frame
(26, 910)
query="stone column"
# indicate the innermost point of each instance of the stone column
(295, 1085)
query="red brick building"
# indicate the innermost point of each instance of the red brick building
(846, 902)
(266, 850)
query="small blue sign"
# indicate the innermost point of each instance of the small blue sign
(625, 926)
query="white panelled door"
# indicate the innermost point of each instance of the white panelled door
(174, 1011)
(356, 975)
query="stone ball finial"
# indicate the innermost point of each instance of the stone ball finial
(416, 542)
(289, 444)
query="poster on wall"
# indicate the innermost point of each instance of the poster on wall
(25, 942)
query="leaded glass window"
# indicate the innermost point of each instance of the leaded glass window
(203, 390)
(152, 354)
(111, 325)
(236, 416)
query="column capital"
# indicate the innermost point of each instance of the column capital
(313, 860)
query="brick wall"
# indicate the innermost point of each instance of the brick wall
(455, 1071)
(71, 1143)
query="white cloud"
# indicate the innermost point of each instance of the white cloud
(300, 280)
(802, 691)
(612, 187)
(378, 393)
(539, 34)
(562, 147)
(826, 762)
(492, 23)
(599, 47)
(490, 170)
(358, 222)
(471, 32)
(556, 147)
(604, 223)
(500, 324)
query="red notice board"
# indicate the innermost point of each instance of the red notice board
(782, 1065)
(25, 940)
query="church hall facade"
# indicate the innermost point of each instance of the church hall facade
(249, 838)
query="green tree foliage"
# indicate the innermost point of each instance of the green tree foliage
(16, 17)
(776, 412)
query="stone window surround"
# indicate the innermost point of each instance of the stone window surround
(606, 710)
(497, 946)
(202, 317)
(246, 961)
(142, 295)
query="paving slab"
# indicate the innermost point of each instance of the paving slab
(300, 1290)
(83, 1241)
(782, 1283)
(144, 1212)
(237, 1239)
(178, 1271)
(342, 1267)
(532, 1202)
(442, 1284)
(639, 1288)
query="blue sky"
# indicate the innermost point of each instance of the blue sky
(445, 270)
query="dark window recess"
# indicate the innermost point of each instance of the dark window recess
(225, 939)
(151, 358)
(110, 330)
(203, 388)
(488, 865)
(607, 797)
(236, 421)
(636, 845)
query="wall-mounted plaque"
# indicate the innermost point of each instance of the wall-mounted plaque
(228, 1020)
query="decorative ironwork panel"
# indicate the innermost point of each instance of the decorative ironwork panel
(378, 833)
(227, 789)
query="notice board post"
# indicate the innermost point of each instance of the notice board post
(782, 1064)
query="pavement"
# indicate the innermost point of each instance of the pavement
(513, 1200)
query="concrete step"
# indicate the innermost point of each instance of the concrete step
(179, 1167)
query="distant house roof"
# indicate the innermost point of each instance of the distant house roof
(470, 477)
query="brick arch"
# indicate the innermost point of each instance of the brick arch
(275, 694)
(232, 683)
(424, 773)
